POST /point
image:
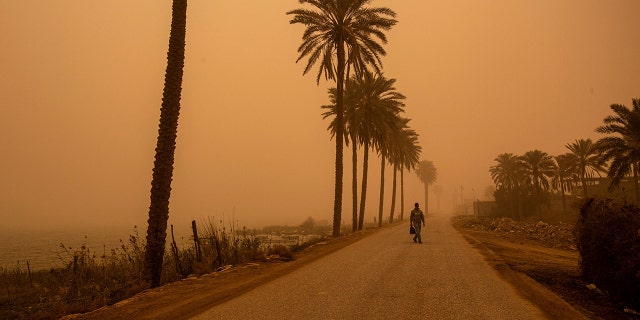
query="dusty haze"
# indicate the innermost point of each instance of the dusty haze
(81, 85)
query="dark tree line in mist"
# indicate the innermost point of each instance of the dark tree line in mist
(613, 160)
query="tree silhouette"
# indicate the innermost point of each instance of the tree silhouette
(508, 175)
(539, 167)
(585, 160)
(409, 159)
(562, 178)
(165, 148)
(427, 174)
(623, 147)
(347, 32)
(372, 105)
(405, 151)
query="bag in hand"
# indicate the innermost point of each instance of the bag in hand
(412, 230)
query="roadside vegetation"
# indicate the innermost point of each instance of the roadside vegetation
(608, 239)
(90, 280)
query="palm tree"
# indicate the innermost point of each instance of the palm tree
(404, 150)
(385, 142)
(165, 148)
(539, 167)
(394, 163)
(562, 177)
(410, 157)
(350, 134)
(378, 107)
(508, 175)
(623, 150)
(371, 107)
(343, 31)
(428, 174)
(585, 159)
(384, 149)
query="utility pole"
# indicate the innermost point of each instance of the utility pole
(462, 199)
(473, 190)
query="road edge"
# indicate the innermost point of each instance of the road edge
(552, 305)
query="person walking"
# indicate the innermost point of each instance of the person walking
(417, 221)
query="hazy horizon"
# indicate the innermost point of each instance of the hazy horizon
(82, 86)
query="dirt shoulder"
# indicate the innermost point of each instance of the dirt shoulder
(192, 296)
(520, 260)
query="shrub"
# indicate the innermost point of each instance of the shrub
(608, 239)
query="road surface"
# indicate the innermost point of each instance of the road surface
(387, 276)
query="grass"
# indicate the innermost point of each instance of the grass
(90, 280)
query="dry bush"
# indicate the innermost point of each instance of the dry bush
(87, 281)
(608, 238)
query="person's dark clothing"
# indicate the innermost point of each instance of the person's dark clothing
(417, 221)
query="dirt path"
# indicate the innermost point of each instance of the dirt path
(555, 269)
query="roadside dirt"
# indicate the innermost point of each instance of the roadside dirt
(523, 262)
(549, 260)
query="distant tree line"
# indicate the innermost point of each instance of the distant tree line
(525, 182)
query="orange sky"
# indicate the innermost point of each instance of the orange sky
(81, 85)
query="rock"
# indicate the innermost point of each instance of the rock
(223, 268)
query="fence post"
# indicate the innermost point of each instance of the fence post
(196, 241)
(174, 249)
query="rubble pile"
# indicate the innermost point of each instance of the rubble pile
(552, 235)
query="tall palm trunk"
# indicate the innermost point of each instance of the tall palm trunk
(564, 197)
(337, 200)
(536, 181)
(393, 194)
(381, 192)
(354, 182)
(363, 194)
(513, 197)
(519, 201)
(635, 182)
(402, 193)
(584, 185)
(165, 147)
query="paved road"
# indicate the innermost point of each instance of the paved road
(387, 276)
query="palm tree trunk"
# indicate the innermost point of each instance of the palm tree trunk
(393, 194)
(165, 147)
(513, 199)
(337, 200)
(537, 199)
(381, 192)
(363, 195)
(635, 182)
(401, 193)
(354, 183)
(519, 201)
(584, 186)
(564, 199)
